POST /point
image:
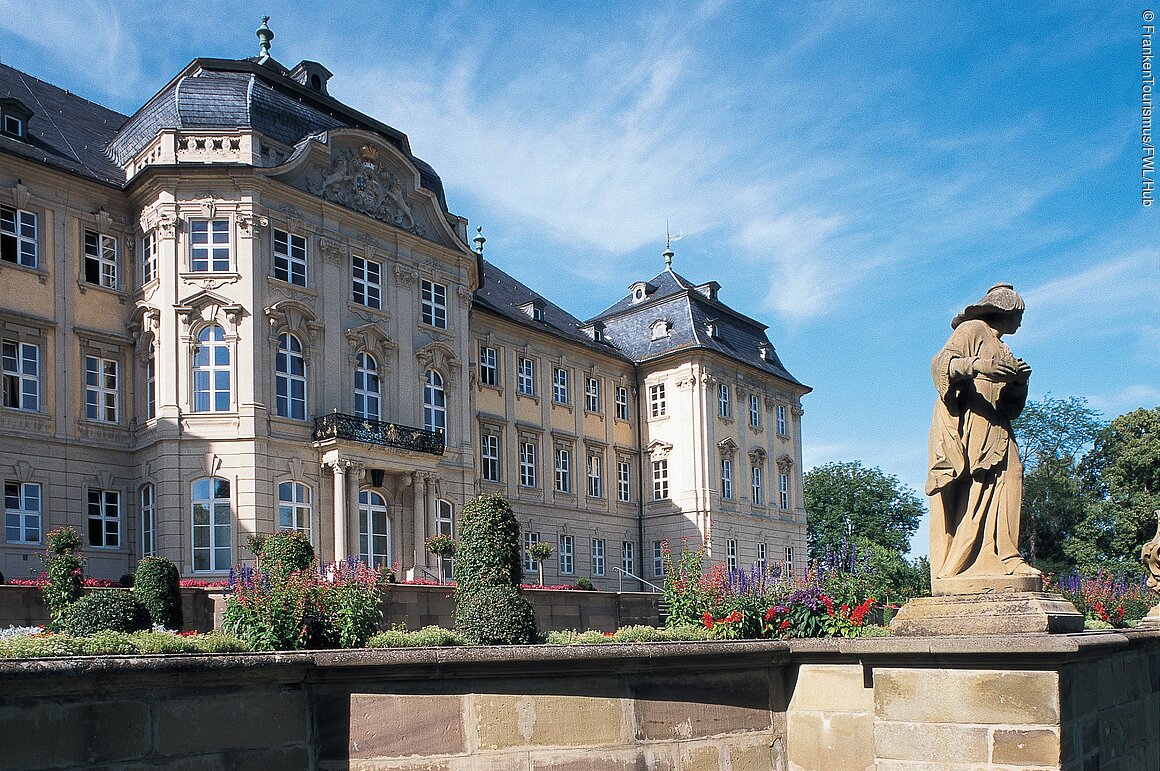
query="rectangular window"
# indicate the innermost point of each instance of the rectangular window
(726, 478)
(18, 242)
(528, 464)
(367, 276)
(783, 490)
(433, 298)
(567, 555)
(761, 556)
(756, 480)
(151, 385)
(489, 457)
(595, 476)
(149, 257)
(731, 554)
(597, 557)
(526, 377)
(22, 512)
(621, 403)
(656, 400)
(289, 258)
(209, 245)
(723, 405)
(100, 389)
(660, 470)
(789, 562)
(563, 471)
(592, 394)
(488, 366)
(781, 422)
(623, 481)
(100, 259)
(104, 519)
(21, 368)
(212, 525)
(658, 560)
(755, 410)
(148, 521)
(559, 385)
(530, 540)
(628, 558)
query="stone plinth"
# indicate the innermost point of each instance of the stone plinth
(987, 584)
(987, 614)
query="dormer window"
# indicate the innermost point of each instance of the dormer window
(765, 350)
(640, 291)
(312, 75)
(14, 117)
(594, 330)
(534, 309)
(660, 329)
(708, 290)
(713, 330)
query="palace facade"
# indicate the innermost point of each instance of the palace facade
(247, 307)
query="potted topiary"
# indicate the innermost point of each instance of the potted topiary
(540, 552)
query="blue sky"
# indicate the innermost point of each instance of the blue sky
(853, 174)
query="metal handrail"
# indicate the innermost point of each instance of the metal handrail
(624, 573)
(339, 426)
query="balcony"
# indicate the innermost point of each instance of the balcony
(338, 426)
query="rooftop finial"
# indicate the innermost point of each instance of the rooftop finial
(265, 35)
(479, 240)
(668, 253)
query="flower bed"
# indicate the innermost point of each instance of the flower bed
(1105, 598)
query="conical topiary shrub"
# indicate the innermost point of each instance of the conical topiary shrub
(489, 608)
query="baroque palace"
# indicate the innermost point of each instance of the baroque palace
(247, 308)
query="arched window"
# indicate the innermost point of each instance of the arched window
(211, 371)
(366, 387)
(445, 525)
(434, 403)
(374, 529)
(290, 374)
(294, 507)
(212, 528)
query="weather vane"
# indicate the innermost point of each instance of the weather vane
(669, 238)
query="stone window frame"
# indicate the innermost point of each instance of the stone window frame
(289, 377)
(21, 512)
(731, 561)
(623, 485)
(658, 559)
(147, 516)
(489, 367)
(657, 401)
(490, 465)
(727, 478)
(110, 348)
(15, 238)
(757, 484)
(98, 407)
(599, 557)
(782, 420)
(211, 220)
(788, 563)
(595, 472)
(622, 411)
(561, 393)
(104, 498)
(566, 554)
(754, 411)
(526, 376)
(724, 407)
(367, 531)
(150, 260)
(97, 267)
(562, 468)
(229, 342)
(660, 479)
(361, 370)
(530, 538)
(592, 400)
(213, 548)
(292, 243)
(295, 505)
(435, 384)
(528, 461)
(366, 283)
(628, 557)
(762, 555)
(433, 305)
(12, 370)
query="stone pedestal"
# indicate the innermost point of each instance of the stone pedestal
(987, 614)
(988, 584)
(1153, 617)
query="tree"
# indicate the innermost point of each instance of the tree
(846, 501)
(1121, 477)
(1051, 434)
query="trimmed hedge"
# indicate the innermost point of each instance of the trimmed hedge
(283, 553)
(110, 610)
(157, 584)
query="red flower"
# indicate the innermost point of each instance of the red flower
(769, 614)
(707, 620)
(732, 618)
(783, 625)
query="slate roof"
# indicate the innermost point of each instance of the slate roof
(503, 295)
(65, 131)
(255, 94)
(689, 313)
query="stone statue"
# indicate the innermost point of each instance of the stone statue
(975, 482)
(1150, 554)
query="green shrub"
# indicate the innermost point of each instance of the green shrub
(489, 608)
(157, 584)
(110, 610)
(585, 584)
(106, 643)
(351, 602)
(64, 569)
(282, 553)
(274, 613)
(494, 615)
(427, 637)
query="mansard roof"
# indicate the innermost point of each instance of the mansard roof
(65, 131)
(503, 295)
(695, 319)
(257, 94)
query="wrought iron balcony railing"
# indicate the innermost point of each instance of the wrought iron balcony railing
(339, 426)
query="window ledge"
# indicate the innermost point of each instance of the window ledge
(530, 397)
(290, 286)
(490, 387)
(40, 273)
(359, 308)
(85, 286)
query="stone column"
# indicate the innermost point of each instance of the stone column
(340, 494)
(419, 501)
